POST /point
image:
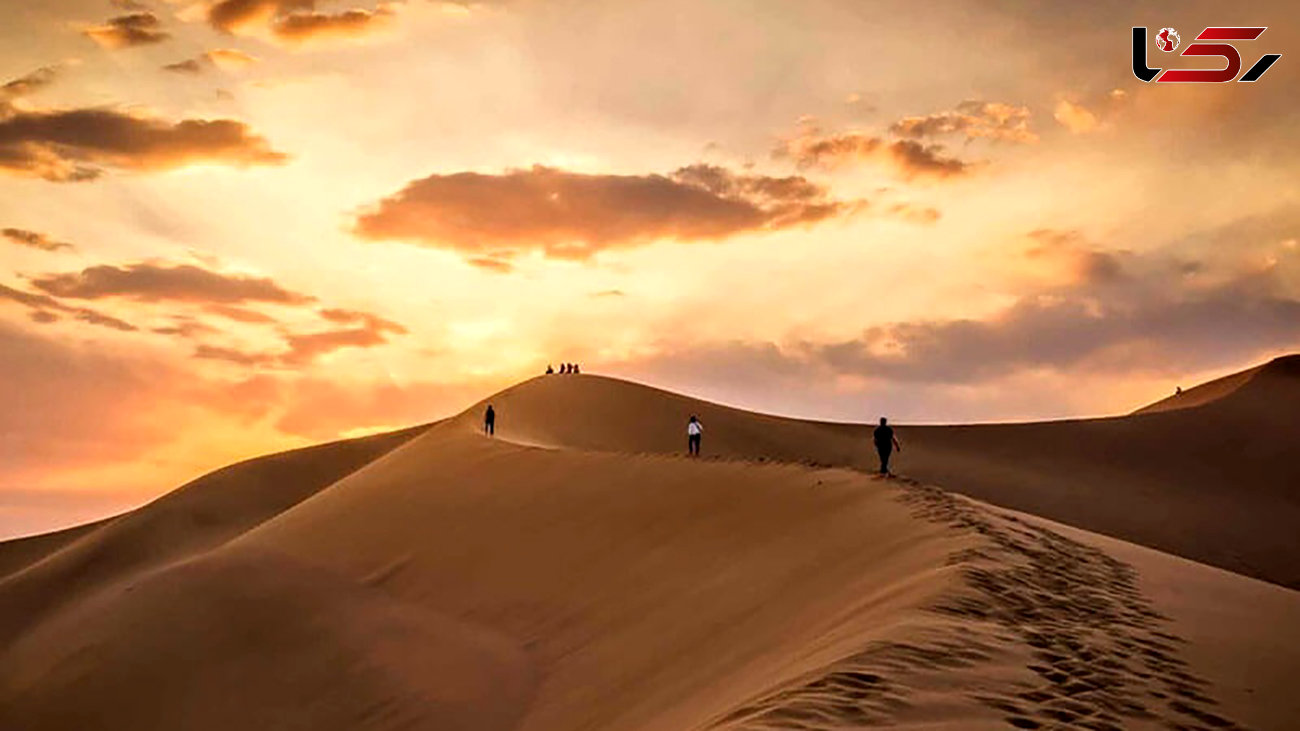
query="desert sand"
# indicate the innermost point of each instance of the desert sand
(578, 572)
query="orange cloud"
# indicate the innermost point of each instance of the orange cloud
(295, 21)
(1079, 118)
(973, 119)
(909, 159)
(76, 144)
(225, 58)
(367, 331)
(35, 240)
(1068, 251)
(149, 282)
(42, 309)
(574, 215)
(32, 82)
(362, 330)
(134, 29)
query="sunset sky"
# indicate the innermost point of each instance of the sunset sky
(230, 228)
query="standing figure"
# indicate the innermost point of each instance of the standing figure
(694, 430)
(490, 421)
(576, 369)
(886, 443)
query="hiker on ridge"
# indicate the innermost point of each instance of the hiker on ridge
(886, 443)
(490, 421)
(694, 431)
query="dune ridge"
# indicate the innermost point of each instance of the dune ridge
(577, 572)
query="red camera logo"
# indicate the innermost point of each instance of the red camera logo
(1167, 40)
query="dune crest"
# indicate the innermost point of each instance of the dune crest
(579, 572)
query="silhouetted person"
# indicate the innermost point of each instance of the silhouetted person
(886, 443)
(1178, 390)
(549, 369)
(564, 368)
(694, 431)
(490, 421)
(576, 369)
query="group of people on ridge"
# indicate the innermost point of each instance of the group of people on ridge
(883, 436)
(565, 369)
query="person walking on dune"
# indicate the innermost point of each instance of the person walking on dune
(694, 431)
(886, 443)
(490, 421)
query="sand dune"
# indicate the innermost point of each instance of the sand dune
(1214, 482)
(578, 573)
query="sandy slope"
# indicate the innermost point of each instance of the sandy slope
(1236, 631)
(1215, 482)
(572, 574)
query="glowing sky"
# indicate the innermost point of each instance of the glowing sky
(228, 228)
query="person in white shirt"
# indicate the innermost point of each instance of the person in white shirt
(694, 430)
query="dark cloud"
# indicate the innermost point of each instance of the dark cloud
(295, 21)
(973, 120)
(1087, 264)
(43, 307)
(1122, 314)
(32, 82)
(75, 145)
(1077, 333)
(133, 29)
(574, 215)
(188, 66)
(347, 24)
(149, 282)
(34, 240)
(98, 318)
(227, 58)
(909, 159)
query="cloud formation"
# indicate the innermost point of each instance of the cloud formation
(32, 82)
(151, 282)
(34, 240)
(133, 29)
(1096, 114)
(77, 144)
(42, 309)
(224, 58)
(909, 159)
(361, 330)
(357, 330)
(574, 215)
(296, 21)
(1084, 264)
(972, 119)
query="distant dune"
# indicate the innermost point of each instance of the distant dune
(577, 572)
